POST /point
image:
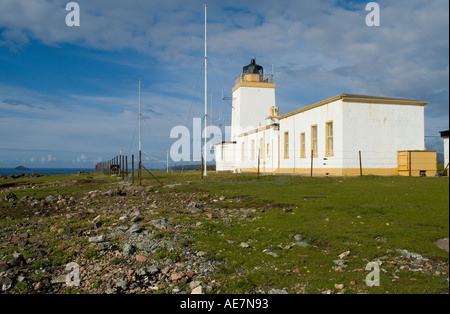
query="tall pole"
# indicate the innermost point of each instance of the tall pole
(167, 161)
(206, 88)
(140, 143)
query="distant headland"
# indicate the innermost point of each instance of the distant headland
(21, 168)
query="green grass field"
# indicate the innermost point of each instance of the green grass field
(371, 217)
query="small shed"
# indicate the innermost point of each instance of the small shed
(417, 163)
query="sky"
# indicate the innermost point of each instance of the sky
(69, 96)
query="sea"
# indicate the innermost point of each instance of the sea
(44, 171)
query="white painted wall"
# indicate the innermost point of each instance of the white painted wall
(446, 144)
(225, 156)
(251, 107)
(379, 131)
(302, 122)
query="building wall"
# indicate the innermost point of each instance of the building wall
(379, 131)
(302, 123)
(251, 107)
(446, 148)
(225, 156)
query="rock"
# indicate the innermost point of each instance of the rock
(302, 244)
(5, 283)
(278, 291)
(161, 223)
(136, 218)
(343, 255)
(128, 249)
(141, 258)
(97, 239)
(443, 244)
(18, 260)
(111, 291)
(298, 237)
(244, 245)
(194, 284)
(50, 199)
(287, 210)
(271, 253)
(11, 197)
(109, 193)
(176, 276)
(152, 270)
(58, 279)
(122, 284)
(135, 229)
(409, 255)
(197, 290)
(142, 271)
(339, 286)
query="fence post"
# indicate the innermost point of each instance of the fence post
(360, 165)
(132, 168)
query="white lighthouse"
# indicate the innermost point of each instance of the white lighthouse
(253, 98)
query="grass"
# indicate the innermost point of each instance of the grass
(369, 216)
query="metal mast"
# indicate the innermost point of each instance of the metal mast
(140, 146)
(206, 88)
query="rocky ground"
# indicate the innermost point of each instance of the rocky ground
(117, 238)
(128, 239)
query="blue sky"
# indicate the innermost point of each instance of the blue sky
(69, 95)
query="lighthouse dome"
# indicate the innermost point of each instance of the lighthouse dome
(253, 68)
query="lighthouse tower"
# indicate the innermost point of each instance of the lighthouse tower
(253, 98)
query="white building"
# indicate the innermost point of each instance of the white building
(343, 135)
(445, 135)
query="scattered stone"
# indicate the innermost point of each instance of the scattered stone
(97, 239)
(197, 290)
(135, 229)
(152, 270)
(122, 284)
(244, 245)
(343, 255)
(339, 286)
(302, 244)
(443, 244)
(270, 253)
(5, 283)
(11, 197)
(50, 199)
(161, 224)
(278, 291)
(59, 279)
(128, 249)
(141, 258)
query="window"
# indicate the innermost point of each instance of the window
(261, 148)
(303, 145)
(243, 151)
(329, 139)
(286, 145)
(268, 151)
(253, 150)
(314, 145)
